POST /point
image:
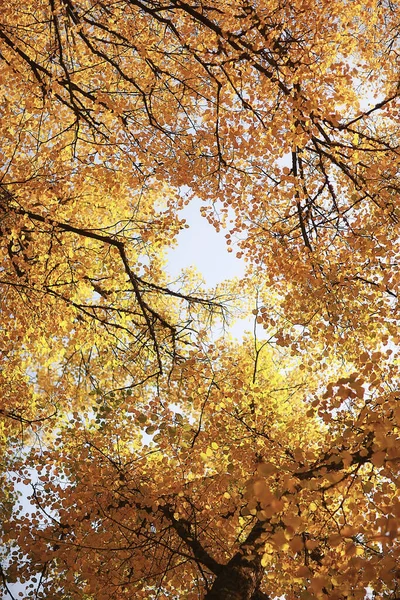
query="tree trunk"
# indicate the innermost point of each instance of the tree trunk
(238, 580)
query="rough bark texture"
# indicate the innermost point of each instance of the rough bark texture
(240, 579)
(237, 581)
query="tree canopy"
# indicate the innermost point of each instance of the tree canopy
(162, 460)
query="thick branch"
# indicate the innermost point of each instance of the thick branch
(241, 578)
(182, 528)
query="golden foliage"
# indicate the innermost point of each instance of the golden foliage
(164, 462)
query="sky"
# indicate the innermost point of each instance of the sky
(201, 246)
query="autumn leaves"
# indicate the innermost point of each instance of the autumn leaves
(279, 477)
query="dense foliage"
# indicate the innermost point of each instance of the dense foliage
(161, 460)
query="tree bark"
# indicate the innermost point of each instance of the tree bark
(240, 579)
(237, 581)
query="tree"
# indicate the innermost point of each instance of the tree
(282, 119)
(214, 98)
(242, 492)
